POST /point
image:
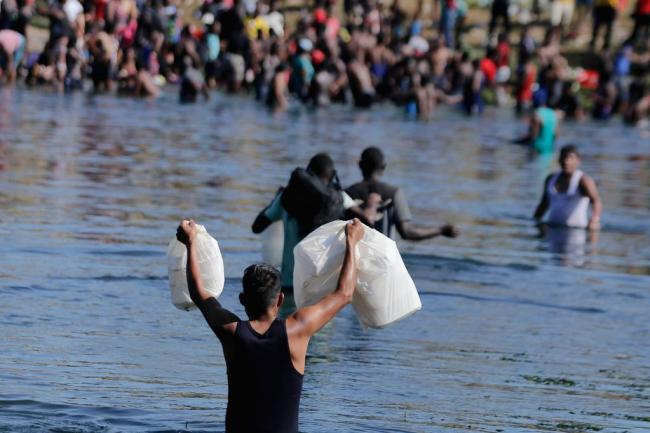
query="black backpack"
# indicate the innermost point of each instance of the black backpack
(311, 201)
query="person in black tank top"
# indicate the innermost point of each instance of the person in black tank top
(260, 365)
(265, 355)
(396, 213)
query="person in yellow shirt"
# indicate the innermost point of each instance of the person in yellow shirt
(256, 26)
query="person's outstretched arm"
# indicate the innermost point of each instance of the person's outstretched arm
(411, 232)
(305, 322)
(542, 207)
(220, 320)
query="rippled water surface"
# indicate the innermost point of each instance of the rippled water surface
(516, 334)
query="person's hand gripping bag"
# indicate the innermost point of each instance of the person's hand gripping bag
(385, 292)
(210, 266)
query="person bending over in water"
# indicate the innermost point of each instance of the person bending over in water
(395, 210)
(567, 195)
(265, 355)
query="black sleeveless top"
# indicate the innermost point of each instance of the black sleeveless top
(263, 385)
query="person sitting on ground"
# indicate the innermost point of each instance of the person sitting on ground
(394, 211)
(265, 355)
(567, 194)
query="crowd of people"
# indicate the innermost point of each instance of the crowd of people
(376, 52)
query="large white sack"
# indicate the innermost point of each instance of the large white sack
(210, 267)
(273, 244)
(385, 292)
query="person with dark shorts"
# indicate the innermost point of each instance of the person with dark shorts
(605, 12)
(393, 209)
(265, 355)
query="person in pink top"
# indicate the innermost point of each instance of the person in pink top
(12, 48)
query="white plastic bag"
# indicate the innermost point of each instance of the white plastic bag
(210, 267)
(273, 244)
(385, 292)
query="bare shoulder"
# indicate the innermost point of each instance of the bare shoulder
(587, 181)
(548, 180)
(588, 185)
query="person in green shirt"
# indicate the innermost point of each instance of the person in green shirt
(543, 129)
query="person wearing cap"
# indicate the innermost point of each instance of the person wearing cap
(393, 210)
(266, 354)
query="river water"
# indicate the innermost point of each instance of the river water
(517, 333)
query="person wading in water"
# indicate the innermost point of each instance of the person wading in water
(265, 355)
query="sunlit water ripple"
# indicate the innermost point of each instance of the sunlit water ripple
(517, 333)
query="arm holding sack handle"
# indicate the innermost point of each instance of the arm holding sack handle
(221, 321)
(305, 322)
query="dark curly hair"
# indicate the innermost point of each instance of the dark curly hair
(262, 284)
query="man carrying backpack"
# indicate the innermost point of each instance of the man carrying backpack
(312, 197)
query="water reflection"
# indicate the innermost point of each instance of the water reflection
(92, 190)
(569, 245)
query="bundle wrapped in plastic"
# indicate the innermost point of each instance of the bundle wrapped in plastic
(210, 266)
(385, 292)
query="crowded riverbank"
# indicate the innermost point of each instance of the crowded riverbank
(583, 61)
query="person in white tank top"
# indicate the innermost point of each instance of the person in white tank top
(568, 193)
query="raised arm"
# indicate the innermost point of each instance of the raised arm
(542, 207)
(220, 320)
(305, 322)
(588, 187)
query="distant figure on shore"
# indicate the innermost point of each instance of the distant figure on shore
(192, 83)
(311, 198)
(393, 210)
(568, 193)
(265, 355)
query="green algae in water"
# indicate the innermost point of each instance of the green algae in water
(560, 381)
(577, 427)
(637, 418)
